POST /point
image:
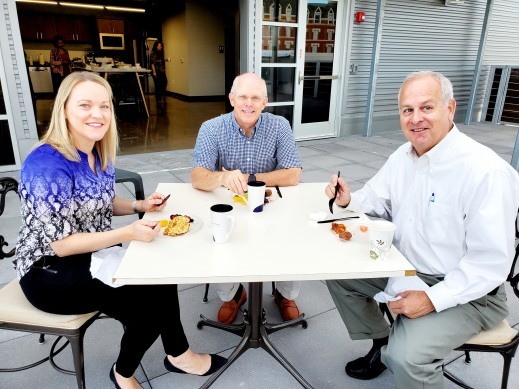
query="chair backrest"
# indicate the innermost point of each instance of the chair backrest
(514, 279)
(6, 184)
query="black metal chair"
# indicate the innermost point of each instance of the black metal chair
(122, 175)
(501, 339)
(18, 314)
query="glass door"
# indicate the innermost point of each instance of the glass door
(280, 24)
(299, 63)
(8, 144)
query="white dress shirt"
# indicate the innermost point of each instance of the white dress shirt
(454, 208)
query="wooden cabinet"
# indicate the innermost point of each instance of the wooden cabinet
(44, 27)
(74, 28)
(35, 27)
(110, 26)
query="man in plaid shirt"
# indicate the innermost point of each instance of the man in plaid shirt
(241, 146)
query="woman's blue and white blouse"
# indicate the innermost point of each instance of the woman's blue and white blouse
(60, 198)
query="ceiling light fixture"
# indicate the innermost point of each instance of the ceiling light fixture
(38, 2)
(80, 5)
(124, 9)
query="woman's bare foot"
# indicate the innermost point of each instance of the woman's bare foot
(126, 383)
(191, 362)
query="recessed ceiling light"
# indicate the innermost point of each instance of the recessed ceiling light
(124, 9)
(80, 5)
(38, 2)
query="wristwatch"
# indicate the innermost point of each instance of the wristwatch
(252, 177)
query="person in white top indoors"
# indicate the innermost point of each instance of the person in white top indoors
(454, 203)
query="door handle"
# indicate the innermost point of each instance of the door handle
(310, 78)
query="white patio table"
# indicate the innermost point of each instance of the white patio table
(280, 243)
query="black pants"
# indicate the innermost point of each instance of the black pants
(65, 286)
(56, 81)
(161, 82)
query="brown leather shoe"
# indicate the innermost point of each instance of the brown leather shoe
(288, 308)
(229, 309)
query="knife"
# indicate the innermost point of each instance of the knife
(336, 220)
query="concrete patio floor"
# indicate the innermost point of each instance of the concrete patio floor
(319, 352)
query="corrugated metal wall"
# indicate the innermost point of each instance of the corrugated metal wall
(502, 50)
(416, 35)
(503, 37)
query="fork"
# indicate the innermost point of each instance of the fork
(332, 200)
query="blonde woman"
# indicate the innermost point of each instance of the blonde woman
(68, 199)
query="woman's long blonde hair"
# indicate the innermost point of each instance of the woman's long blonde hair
(58, 135)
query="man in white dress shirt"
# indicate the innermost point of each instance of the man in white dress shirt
(454, 203)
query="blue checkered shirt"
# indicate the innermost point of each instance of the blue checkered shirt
(222, 144)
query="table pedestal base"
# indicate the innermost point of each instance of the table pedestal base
(254, 332)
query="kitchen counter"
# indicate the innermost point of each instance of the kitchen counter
(120, 70)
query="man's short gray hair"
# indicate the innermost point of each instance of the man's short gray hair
(445, 84)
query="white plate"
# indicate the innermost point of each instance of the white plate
(196, 225)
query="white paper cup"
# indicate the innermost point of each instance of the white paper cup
(222, 222)
(256, 196)
(380, 234)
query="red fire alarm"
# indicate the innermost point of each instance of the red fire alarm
(360, 17)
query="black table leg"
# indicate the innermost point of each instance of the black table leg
(254, 331)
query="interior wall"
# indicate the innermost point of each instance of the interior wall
(206, 63)
(176, 48)
(192, 39)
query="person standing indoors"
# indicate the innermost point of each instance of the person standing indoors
(158, 72)
(241, 146)
(59, 62)
(67, 192)
(454, 203)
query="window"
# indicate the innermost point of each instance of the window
(289, 13)
(317, 16)
(331, 16)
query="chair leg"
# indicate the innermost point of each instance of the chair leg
(41, 339)
(204, 300)
(506, 370)
(273, 288)
(76, 343)
(467, 357)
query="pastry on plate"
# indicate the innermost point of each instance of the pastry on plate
(178, 225)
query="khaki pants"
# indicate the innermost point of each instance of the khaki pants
(416, 347)
(288, 289)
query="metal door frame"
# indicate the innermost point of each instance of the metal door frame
(340, 54)
(338, 73)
